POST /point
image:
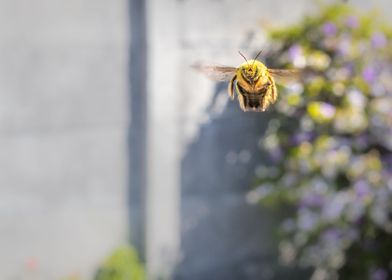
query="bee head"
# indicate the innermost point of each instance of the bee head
(249, 70)
(252, 70)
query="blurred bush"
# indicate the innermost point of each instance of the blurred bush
(123, 264)
(328, 147)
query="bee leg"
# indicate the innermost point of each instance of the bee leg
(274, 91)
(268, 98)
(230, 88)
(241, 98)
(264, 103)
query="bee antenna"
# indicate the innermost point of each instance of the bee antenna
(258, 54)
(243, 56)
(256, 57)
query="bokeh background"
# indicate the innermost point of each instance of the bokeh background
(118, 160)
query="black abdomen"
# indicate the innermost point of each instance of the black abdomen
(251, 101)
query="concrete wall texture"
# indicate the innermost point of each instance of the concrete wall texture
(63, 135)
(106, 134)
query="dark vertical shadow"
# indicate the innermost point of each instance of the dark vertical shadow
(138, 129)
(222, 236)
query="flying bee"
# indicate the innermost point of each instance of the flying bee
(253, 82)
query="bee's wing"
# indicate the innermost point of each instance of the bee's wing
(215, 72)
(284, 76)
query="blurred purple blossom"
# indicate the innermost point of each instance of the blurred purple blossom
(369, 74)
(362, 141)
(298, 138)
(296, 56)
(327, 110)
(357, 99)
(331, 234)
(276, 154)
(344, 46)
(387, 160)
(350, 67)
(307, 220)
(379, 274)
(329, 29)
(352, 22)
(312, 200)
(379, 40)
(335, 206)
(361, 189)
(294, 52)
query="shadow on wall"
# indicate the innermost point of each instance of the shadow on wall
(223, 237)
(137, 136)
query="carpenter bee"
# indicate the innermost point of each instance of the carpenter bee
(253, 82)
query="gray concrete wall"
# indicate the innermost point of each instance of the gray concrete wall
(63, 135)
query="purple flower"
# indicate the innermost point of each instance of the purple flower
(327, 110)
(335, 207)
(331, 234)
(379, 40)
(307, 220)
(294, 52)
(296, 55)
(350, 68)
(356, 98)
(369, 74)
(344, 46)
(387, 160)
(352, 22)
(312, 200)
(361, 189)
(276, 154)
(329, 29)
(301, 137)
(361, 141)
(379, 274)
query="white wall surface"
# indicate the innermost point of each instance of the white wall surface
(63, 135)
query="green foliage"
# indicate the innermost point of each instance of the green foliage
(329, 145)
(123, 264)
